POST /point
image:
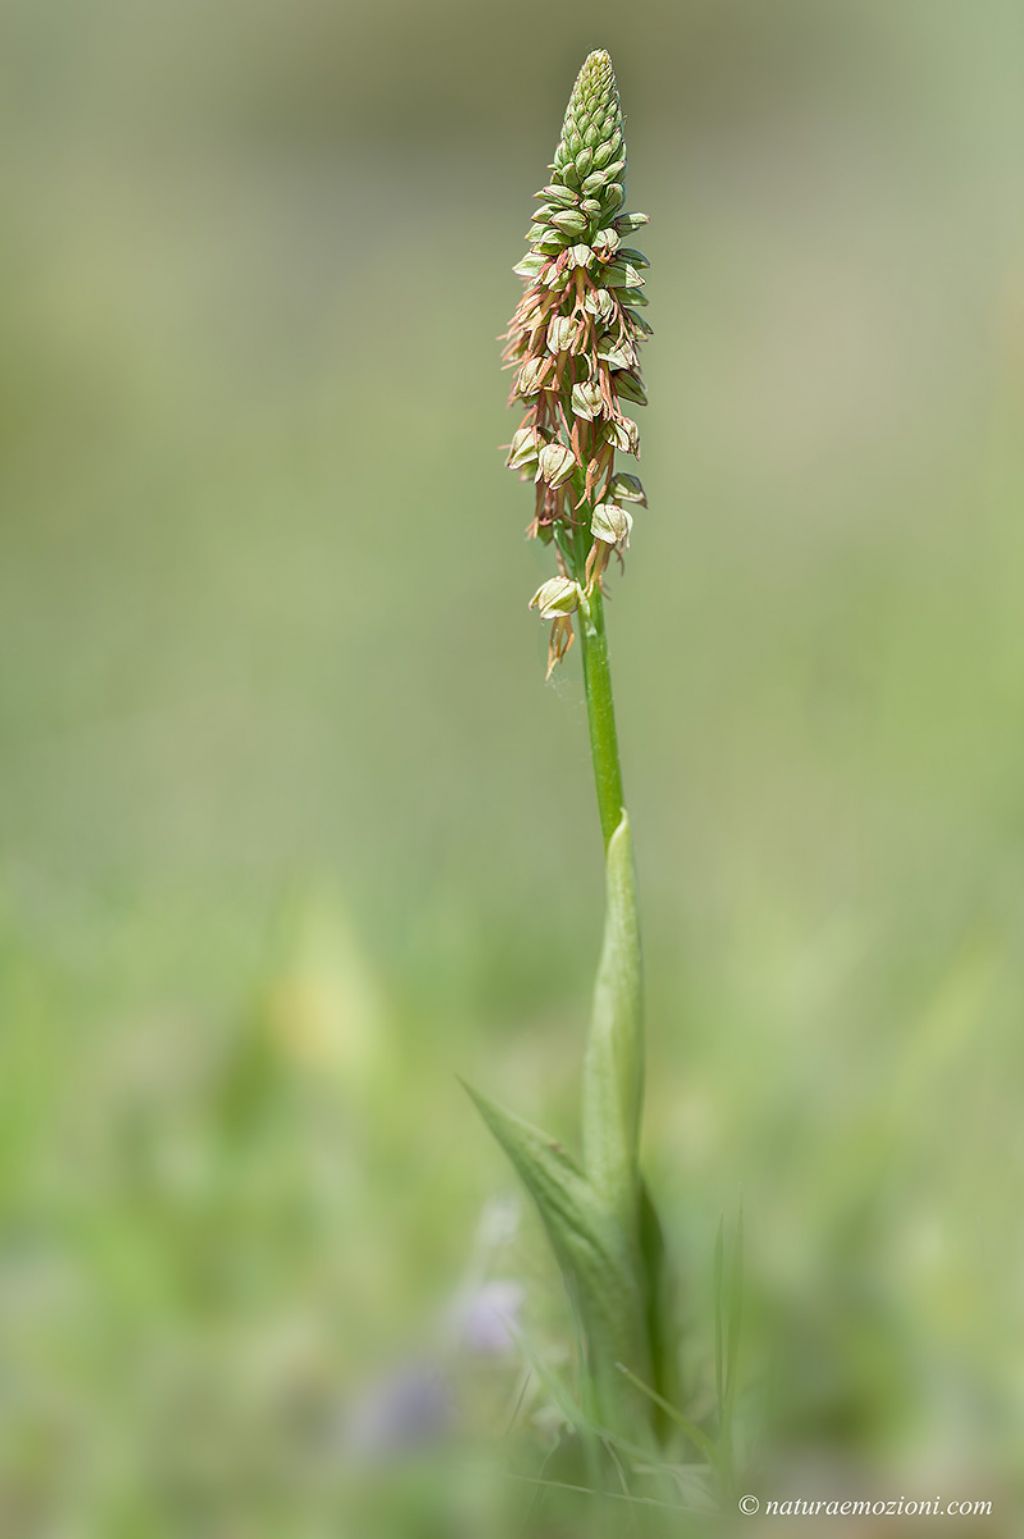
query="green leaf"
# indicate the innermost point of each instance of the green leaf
(613, 1070)
(586, 1240)
(598, 1259)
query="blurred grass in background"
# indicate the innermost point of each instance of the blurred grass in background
(291, 829)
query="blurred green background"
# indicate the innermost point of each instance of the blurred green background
(292, 832)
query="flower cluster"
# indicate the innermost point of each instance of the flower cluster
(573, 343)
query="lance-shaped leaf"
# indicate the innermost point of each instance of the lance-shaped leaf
(600, 1260)
(613, 1071)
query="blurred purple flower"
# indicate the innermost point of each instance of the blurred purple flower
(489, 1318)
(403, 1412)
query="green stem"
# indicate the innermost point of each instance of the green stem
(604, 741)
(613, 1074)
(613, 1071)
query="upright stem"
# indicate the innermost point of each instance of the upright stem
(613, 1067)
(604, 741)
(613, 1070)
(597, 685)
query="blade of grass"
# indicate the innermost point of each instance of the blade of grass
(697, 1437)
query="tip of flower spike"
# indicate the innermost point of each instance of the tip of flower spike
(596, 77)
(591, 154)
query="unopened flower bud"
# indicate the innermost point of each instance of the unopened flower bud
(556, 597)
(581, 256)
(592, 130)
(606, 240)
(587, 401)
(570, 221)
(555, 464)
(612, 524)
(626, 488)
(627, 223)
(523, 449)
(593, 186)
(563, 196)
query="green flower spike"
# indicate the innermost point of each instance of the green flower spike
(574, 345)
(574, 338)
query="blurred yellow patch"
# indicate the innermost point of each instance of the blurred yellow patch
(323, 1008)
